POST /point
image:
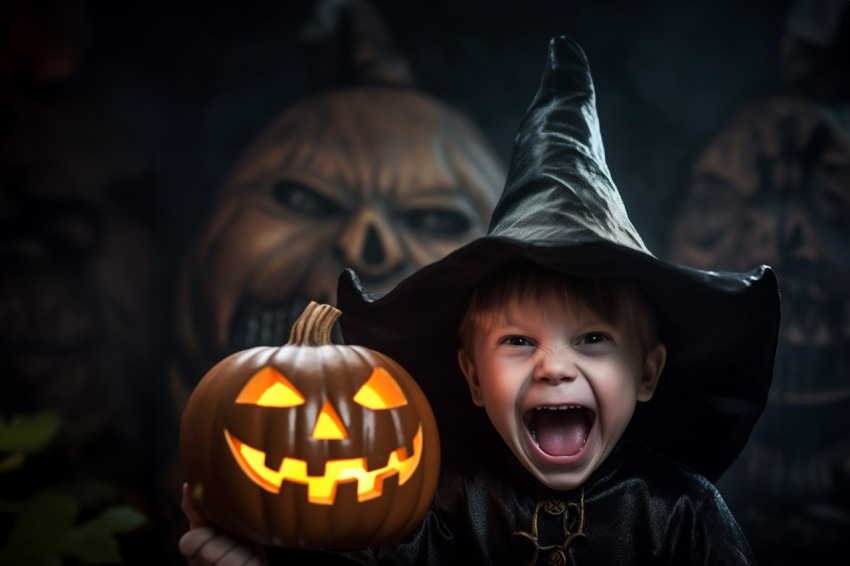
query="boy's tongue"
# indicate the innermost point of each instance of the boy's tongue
(560, 433)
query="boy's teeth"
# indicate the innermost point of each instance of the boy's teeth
(559, 408)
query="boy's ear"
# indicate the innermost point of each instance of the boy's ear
(652, 367)
(468, 369)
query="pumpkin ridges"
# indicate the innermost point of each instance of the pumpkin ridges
(409, 517)
(387, 529)
(369, 523)
(328, 372)
(424, 482)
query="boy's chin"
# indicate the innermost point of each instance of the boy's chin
(561, 481)
(562, 478)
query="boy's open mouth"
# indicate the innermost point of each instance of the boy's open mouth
(559, 430)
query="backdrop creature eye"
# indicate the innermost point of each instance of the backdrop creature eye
(437, 221)
(302, 199)
(376, 154)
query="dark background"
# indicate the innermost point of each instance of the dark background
(192, 85)
(188, 84)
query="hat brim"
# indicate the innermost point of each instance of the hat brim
(720, 330)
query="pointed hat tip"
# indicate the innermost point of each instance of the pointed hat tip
(559, 188)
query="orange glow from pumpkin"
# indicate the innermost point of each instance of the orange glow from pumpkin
(321, 490)
(329, 426)
(269, 388)
(380, 391)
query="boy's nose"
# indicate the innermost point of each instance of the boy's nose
(555, 367)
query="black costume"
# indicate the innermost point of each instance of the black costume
(651, 501)
(637, 508)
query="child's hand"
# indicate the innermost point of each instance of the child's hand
(203, 545)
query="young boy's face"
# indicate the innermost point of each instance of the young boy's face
(560, 385)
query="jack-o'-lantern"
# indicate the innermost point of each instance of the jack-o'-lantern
(311, 444)
(774, 187)
(383, 180)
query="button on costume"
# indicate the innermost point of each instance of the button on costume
(652, 500)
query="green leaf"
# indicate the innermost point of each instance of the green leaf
(39, 530)
(28, 433)
(45, 532)
(94, 541)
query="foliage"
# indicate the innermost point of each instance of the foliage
(58, 521)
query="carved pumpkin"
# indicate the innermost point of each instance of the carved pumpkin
(383, 180)
(311, 444)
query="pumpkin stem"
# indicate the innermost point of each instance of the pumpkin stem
(313, 327)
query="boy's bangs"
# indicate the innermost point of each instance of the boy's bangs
(616, 301)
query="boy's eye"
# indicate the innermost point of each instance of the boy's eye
(594, 338)
(515, 341)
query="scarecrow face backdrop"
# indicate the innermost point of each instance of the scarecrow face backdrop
(382, 180)
(774, 187)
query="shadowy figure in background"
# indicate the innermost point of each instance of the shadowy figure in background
(76, 285)
(774, 187)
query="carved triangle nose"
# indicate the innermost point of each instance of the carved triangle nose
(329, 426)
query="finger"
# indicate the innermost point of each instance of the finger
(236, 556)
(191, 510)
(191, 542)
(216, 548)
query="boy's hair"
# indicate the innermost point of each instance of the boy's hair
(610, 299)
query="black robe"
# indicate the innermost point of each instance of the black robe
(638, 508)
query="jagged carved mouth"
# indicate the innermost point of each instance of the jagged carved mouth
(321, 489)
(559, 430)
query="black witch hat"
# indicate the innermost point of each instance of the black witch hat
(560, 209)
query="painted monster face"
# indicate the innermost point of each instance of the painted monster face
(774, 188)
(381, 180)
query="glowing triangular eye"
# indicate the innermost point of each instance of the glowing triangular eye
(268, 388)
(380, 391)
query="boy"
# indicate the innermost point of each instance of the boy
(558, 364)
(566, 323)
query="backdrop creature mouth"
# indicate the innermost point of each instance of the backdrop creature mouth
(813, 359)
(259, 323)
